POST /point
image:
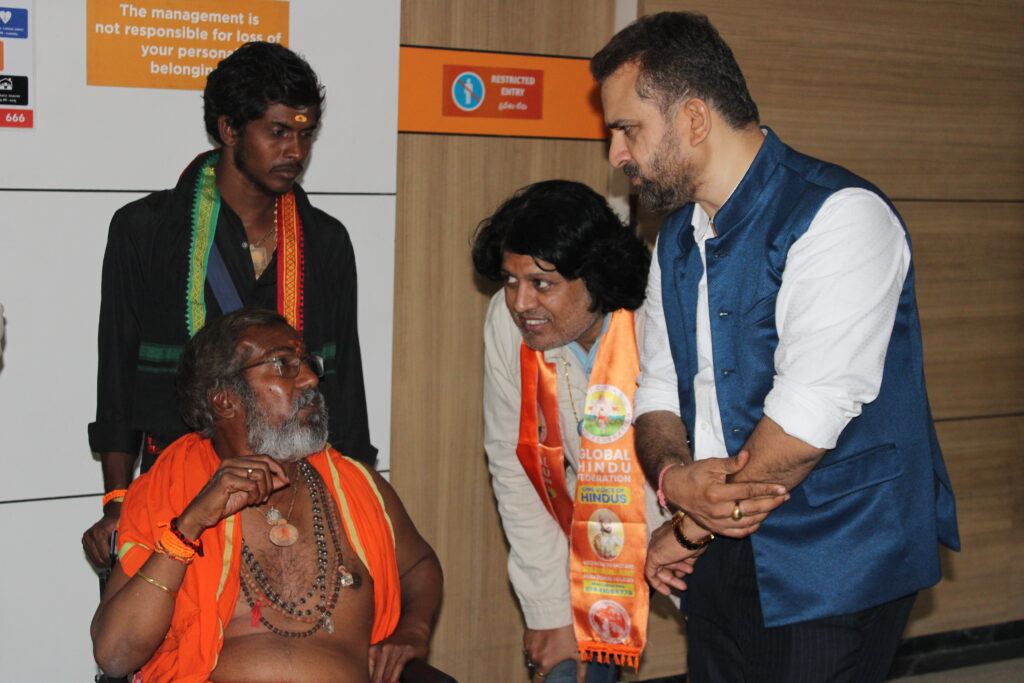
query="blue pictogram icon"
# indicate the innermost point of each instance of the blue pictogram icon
(13, 22)
(468, 91)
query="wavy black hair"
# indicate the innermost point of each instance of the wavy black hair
(252, 78)
(680, 55)
(571, 226)
(211, 363)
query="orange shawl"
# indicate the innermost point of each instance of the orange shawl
(207, 596)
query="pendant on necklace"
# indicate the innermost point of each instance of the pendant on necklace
(259, 259)
(328, 624)
(273, 515)
(579, 427)
(346, 579)
(283, 534)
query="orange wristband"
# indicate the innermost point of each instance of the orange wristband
(171, 545)
(115, 495)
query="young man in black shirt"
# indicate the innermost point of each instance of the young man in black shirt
(237, 230)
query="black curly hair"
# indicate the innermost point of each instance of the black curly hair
(680, 55)
(571, 226)
(253, 77)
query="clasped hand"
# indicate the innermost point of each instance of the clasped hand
(703, 491)
(668, 562)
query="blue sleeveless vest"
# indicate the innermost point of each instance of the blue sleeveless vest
(862, 528)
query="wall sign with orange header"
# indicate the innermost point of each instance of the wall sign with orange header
(488, 93)
(173, 44)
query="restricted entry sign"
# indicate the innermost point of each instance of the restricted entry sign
(493, 92)
(486, 93)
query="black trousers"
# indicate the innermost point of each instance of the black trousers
(727, 640)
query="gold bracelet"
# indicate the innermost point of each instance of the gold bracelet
(173, 594)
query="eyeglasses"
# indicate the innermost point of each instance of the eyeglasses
(288, 365)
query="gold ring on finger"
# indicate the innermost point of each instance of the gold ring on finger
(737, 513)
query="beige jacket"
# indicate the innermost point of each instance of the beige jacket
(538, 563)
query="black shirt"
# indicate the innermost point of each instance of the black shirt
(143, 328)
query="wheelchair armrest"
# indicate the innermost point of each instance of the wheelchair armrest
(418, 671)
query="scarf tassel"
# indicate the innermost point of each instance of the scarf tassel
(603, 653)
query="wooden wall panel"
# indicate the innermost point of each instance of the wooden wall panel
(984, 584)
(573, 28)
(923, 97)
(970, 287)
(437, 435)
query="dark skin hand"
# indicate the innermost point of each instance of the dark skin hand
(117, 474)
(706, 489)
(133, 616)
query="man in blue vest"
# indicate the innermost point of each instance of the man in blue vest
(782, 330)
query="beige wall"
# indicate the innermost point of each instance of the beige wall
(922, 98)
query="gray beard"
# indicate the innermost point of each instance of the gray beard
(291, 441)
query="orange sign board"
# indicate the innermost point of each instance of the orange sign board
(173, 44)
(487, 93)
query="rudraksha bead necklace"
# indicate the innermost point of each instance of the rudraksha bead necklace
(256, 585)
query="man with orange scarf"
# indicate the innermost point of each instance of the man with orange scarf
(251, 551)
(560, 370)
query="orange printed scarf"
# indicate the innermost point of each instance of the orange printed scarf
(606, 523)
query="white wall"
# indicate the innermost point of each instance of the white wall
(92, 150)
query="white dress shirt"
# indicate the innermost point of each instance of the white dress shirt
(834, 315)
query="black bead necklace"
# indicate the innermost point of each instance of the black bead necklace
(256, 585)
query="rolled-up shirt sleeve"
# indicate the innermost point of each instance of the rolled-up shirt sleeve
(834, 315)
(538, 562)
(657, 385)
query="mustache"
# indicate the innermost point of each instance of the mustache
(632, 170)
(296, 167)
(308, 397)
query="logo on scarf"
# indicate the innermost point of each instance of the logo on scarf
(610, 621)
(608, 414)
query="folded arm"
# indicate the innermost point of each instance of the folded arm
(776, 456)
(702, 488)
(834, 316)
